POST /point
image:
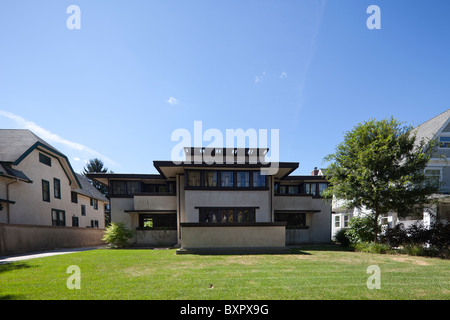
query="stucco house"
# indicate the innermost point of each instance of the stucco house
(198, 205)
(39, 187)
(437, 128)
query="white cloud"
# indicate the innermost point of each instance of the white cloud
(283, 75)
(53, 138)
(260, 77)
(172, 101)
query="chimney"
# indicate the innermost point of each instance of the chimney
(315, 172)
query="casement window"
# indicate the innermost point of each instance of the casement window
(158, 221)
(292, 189)
(346, 219)
(123, 187)
(337, 221)
(45, 191)
(94, 223)
(227, 179)
(259, 180)
(58, 218)
(293, 220)
(243, 179)
(133, 187)
(83, 210)
(57, 188)
(310, 188)
(74, 197)
(119, 187)
(193, 178)
(95, 204)
(224, 179)
(227, 215)
(45, 159)
(210, 179)
(322, 187)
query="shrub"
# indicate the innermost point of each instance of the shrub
(361, 229)
(117, 235)
(395, 236)
(342, 238)
(371, 247)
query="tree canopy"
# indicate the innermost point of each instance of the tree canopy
(380, 166)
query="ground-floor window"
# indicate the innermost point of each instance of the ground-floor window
(58, 218)
(158, 221)
(293, 220)
(75, 222)
(227, 215)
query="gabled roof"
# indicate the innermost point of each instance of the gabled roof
(430, 128)
(88, 189)
(16, 144)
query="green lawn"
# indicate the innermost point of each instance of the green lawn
(306, 273)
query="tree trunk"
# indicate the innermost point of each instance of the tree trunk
(375, 237)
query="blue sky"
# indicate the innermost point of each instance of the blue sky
(138, 70)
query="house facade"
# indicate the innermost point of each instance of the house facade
(39, 187)
(222, 205)
(438, 169)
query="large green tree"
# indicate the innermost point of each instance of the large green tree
(380, 166)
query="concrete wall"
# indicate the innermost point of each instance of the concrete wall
(233, 236)
(26, 238)
(224, 198)
(156, 238)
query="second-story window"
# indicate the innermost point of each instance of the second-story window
(193, 178)
(45, 191)
(57, 188)
(226, 179)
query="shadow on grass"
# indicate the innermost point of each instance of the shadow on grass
(10, 266)
(330, 247)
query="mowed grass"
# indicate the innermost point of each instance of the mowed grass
(305, 273)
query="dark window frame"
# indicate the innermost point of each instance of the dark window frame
(56, 221)
(45, 193)
(227, 215)
(83, 210)
(75, 221)
(57, 188)
(160, 221)
(45, 159)
(73, 197)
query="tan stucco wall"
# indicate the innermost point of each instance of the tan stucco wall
(153, 202)
(223, 198)
(118, 205)
(233, 237)
(319, 223)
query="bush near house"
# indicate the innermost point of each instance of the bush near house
(117, 235)
(419, 239)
